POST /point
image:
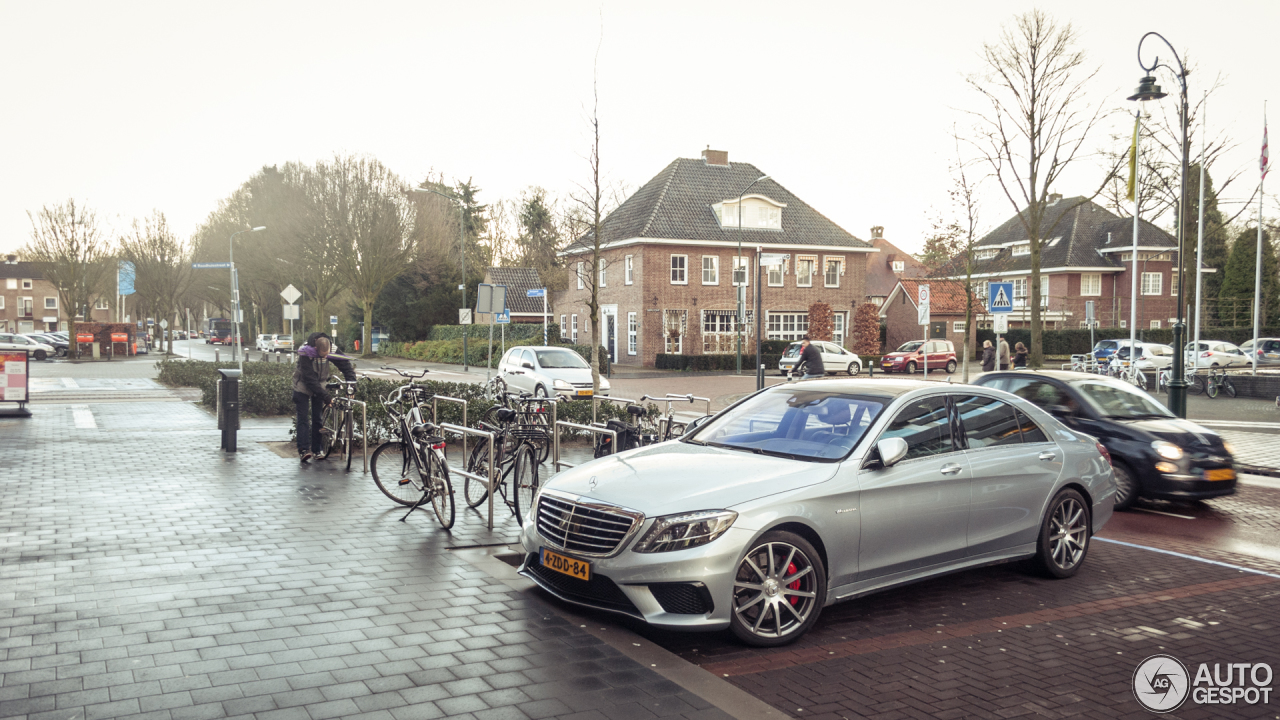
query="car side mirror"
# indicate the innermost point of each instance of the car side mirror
(526, 364)
(694, 425)
(1061, 411)
(887, 453)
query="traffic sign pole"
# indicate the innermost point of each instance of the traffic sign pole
(923, 319)
(999, 302)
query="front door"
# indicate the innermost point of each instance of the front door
(611, 335)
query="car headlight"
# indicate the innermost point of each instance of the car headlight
(1167, 450)
(686, 530)
(604, 384)
(561, 385)
(1231, 450)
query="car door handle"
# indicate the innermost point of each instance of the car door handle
(1048, 455)
(951, 469)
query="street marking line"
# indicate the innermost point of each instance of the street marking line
(83, 417)
(1159, 512)
(1239, 423)
(70, 383)
(1188, 557)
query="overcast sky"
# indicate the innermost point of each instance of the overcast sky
(130, 106)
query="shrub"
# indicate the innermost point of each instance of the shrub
(699, 363)
(866, 330)
(515, 331)
(449, 352)
(820, 323)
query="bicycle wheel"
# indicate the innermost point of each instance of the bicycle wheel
(394, 474)
(524, 481)
(1229, 386)
(472, 491)
(1195, 385)
(441, 489)
(349, 439)
(1212, 390)
(328, 432)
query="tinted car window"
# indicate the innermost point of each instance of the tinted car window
(1038, 392)
(925, 427)
(1271, 346)
(988, 422)
(1031, 432)
(797, 422)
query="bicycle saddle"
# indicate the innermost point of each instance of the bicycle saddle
(424, 432)
(635, 410)
(506, 415)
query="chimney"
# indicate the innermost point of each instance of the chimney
(11, 259)
(1054, 198)
(877, 232)
(715, 157)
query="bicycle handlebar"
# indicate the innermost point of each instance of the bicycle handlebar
(405, 374)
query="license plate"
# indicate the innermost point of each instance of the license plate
(580, 569)
(1220, 474)
(584, 393)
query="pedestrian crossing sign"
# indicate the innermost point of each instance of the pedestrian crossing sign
(1000, 298)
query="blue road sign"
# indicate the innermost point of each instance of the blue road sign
(210, 266)
(1000, 298)
(503, 318)
(539, 292)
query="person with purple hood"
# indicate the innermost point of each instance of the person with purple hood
(309, 378)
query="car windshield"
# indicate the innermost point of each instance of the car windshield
(793, 422)
(792, 350)
(549, 359)
(911, 346)
(1119, 400)
(1105, 345)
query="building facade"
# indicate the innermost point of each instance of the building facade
(888, 267)
(675, 257)
(900, 313)
(29, 303)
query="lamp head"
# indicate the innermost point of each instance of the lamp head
(260, 228)
(1147, 90)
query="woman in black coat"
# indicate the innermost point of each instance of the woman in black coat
(988, 356)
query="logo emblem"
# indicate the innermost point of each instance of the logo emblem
(592, 482)
(1161, 683)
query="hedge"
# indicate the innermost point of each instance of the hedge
(1076, 341)
(515, 331)
(450, 351)
(668, 361)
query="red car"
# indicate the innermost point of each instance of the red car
(910, 358)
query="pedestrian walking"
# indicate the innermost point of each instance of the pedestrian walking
(988, 356)
(309, 394)
(1019, 356)
(1002, 353)
(811, 359)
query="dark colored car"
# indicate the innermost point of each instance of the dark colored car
(1155, 454)
(58, 342)
(1268, 352)
(1106, 348)
(910, 358)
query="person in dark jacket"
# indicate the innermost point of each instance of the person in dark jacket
(309, 378)
(1019, 356)
(811, 358)
(988, 356)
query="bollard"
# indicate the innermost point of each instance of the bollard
(229, 408)
(217, 355)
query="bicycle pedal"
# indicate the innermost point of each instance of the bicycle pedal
(404, 481)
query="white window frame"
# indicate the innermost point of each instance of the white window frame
(812, 269)
(1086, 279)
(563, 327)
(23, 302)
(683, 269)
(674, 345)
(1151, 283)
(603, 266)
(744, 264)
(1021, 249)
(839, 263)
(957, 326)
(839, 328)
(781, 274)
(719, 330)
(47, 306)
(573, 336)
(101, 304)
(711, 274)
(1124, 324)
(1155, 324)
(26, 283)
(581, 283)
(899, 266)
(629, 269)
(788, 325)
(1, 302)
(1173, 282)
(633, 331)
(11, 283)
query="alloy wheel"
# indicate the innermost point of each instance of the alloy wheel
(775, 590)
(1068, 533)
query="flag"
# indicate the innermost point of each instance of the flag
(1264, 164)
(1133, 159)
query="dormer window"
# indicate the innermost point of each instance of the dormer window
(1022, 249)
(986, 253)
(758, 213)
(899, 266)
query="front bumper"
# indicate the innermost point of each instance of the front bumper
(1189, 482)
(625, 583)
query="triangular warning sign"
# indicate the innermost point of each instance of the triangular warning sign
(1001, 300)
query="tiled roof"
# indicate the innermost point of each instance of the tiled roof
(676, 205)
(1076, 230)
(21, 270)
(880, 276)
(517, 280)
(946, 297)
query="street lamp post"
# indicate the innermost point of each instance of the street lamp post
(1149, 90)
(462, 263)
(741, 301)
(235, 289)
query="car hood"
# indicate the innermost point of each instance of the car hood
(1182, 433)
(677, 477)
(572, 375)
(901, 354)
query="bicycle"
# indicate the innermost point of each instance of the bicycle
(1166, 376)
(515, 456)
(411, 469)
(1219, 381)
(495, 388)
(531, 417)
(633, 436)
(337, 428)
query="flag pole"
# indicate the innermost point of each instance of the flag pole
(1200, 225)
(1257, 270)
(1133, 295)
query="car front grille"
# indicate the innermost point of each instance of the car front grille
(683, 598)
(587, 528)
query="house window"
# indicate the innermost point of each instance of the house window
(1091, 284)
(26, 283)
(985, 254)
(580, 277)
(11, 284)
(24, 306)
(1, 306)
(837, 328)
(679, 269)
(1044, 291)
(673, 325)
(101, 304)
(710, 270)
(633, 329)
(957, 327)
(831, 274)
(573, 331)
(768, 217)
(804, 271)
(1019, 292)
(603, 265)
(1124, 324)
(1173, 283)
(899, 266)
(1022, 249)
(564, 329)
(627, 270)
(786, 325)
(1146, 256)
(51, 303)
(719, 331)
(1151, 283)
(741, 271)
(775, 275)
(877, 301)
(1155, 324)
(980, 289)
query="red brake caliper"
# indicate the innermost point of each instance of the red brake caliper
(792, 569)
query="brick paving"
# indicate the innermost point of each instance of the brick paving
(145, 574)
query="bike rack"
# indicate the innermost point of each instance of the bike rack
(486, 481)
(435, 420)
(691, 398)
(555, 441)
(364, 430)
(598, 398)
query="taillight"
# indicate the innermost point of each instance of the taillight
(438, 446)
(1206, 354)
(1102, 450)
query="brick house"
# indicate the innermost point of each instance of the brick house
(667, 281)
(29, 303)
(519, 281)
(891, 265)
(946, 312)
(1088, 256)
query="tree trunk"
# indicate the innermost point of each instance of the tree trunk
(366, 348)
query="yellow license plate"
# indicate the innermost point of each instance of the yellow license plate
(1220, 474)
(584, 393)
(580, 569)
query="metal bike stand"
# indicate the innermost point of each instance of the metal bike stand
(435, 420)
(601, 398)
(691, 399)
(364, 430)
(486, 481)
(555, 445)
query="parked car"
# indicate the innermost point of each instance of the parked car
(37, 350)
(280, 343)
(1215, 353)
(263, 343)
(1104, 349)
(58, 344)
(834, 358)
(1150, 356)
(546, 370)
(1155, 453)
(1268, 352)
(911, 357)
(805, 494)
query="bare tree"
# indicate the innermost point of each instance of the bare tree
(162, 265)
(1035, 126)
(591, 201)
(74, 254)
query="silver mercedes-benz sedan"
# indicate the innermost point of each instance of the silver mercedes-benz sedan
(803, 495)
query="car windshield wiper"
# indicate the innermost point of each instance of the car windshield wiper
(691, 441)
(726, 446)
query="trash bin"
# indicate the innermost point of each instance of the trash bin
(229, 407)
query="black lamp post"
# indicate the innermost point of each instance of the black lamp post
(1149, 90)
(462, 264)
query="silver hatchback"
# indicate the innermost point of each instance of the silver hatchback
(801, 496)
